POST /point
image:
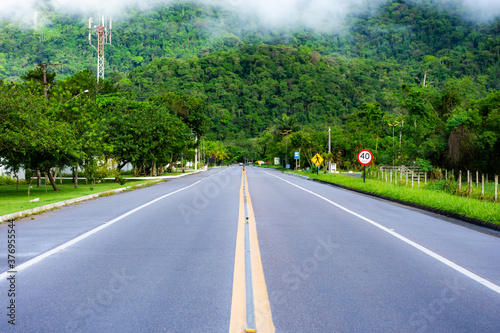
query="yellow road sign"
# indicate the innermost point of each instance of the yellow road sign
(317, 160)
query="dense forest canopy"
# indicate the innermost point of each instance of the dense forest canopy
(416, 81)
(400, 31)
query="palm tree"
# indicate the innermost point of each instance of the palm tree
(285, 124)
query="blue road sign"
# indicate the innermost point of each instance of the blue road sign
(296, 155)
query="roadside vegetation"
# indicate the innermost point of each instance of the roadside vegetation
(430, 195)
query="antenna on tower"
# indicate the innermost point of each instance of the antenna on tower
(103, 31)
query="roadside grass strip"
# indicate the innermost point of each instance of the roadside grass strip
(44, 198)
(13, 201)
(469, 207)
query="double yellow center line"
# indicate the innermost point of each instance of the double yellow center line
(250, 307)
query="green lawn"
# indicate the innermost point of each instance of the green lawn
(469, 207)
(12, 200)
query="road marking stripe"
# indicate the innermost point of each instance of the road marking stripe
(237, 322)
(93, 231)
(250, 301)
(261, 304)
(425, 250)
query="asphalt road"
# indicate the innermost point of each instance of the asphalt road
(161, 259)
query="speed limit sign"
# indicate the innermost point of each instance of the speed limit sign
(365, 157)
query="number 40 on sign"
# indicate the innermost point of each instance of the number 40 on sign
(365, 157)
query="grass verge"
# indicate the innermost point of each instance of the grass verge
(13, 200)
(439, 201)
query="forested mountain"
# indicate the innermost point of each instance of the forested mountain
(247, 89)
(407, 68)
(415, 33)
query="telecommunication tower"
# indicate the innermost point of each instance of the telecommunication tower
(103, 31)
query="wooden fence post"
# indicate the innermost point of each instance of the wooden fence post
(496, 187)
(482, 184)
(477, 178)
(446, 174)
(460, 180)
(406, 174)
(412, 179)
(470, 186)
(418, 179)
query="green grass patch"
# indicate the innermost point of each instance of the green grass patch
(13, 200)
(429, 197)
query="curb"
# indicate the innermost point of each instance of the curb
(54, 205)
(446, 213)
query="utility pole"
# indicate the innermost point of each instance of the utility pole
(329, 150)
(286, 146)
(45, 83)
(103, 31)
(196, 154)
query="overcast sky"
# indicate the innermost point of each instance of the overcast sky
(309, 13)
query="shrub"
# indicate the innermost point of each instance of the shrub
(5, 180)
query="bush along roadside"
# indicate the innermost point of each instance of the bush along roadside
(471, 210)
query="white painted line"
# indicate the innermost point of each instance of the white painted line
(99, 228)
(425, 250)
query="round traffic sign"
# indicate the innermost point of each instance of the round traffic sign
(365, 157)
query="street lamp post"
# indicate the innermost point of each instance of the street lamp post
(286, 146)
(329, 150)
(396, 123)
(83, 92)
(196, 153)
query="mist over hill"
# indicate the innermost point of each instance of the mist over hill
(403, 32)
(318, 14)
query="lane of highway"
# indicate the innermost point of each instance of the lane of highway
(330, 271)
(167, 267)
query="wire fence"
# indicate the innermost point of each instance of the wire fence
(471, 184)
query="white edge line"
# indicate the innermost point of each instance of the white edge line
(93, 231)
(425, 250)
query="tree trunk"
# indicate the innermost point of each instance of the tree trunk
(38, 178)
(51, 179)
(75, 179)
(29, 185)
